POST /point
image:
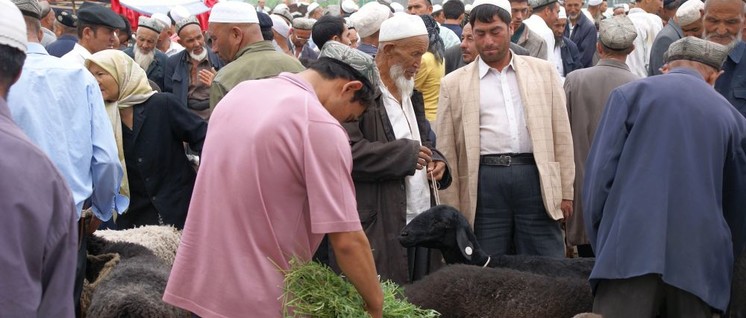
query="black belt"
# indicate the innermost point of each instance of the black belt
(507, 159)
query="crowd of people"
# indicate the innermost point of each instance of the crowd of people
(313, 132)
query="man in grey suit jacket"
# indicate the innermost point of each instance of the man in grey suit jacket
(670, 33)
(587, 91)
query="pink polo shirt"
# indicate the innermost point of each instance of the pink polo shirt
(275, 176)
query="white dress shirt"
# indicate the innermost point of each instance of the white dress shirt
(174, 49)
(77, 55)
(648, 25)
(502, 122)
(404, 123)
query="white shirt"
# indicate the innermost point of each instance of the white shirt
(77, 55)
(174, 49)
(404, 123)
(502, 122)
(648, 25)
(558, 61)
(538, 25)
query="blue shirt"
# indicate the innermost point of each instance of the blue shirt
(63, 45)
(61, 109)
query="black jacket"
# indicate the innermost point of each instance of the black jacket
(160, 176)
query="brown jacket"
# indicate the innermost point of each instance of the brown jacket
(380, 164)
(546, 118)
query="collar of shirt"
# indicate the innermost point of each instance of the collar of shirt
(636, 10)
(484, 68)
(35, 48)
(255, 47)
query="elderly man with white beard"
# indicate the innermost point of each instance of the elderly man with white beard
(393, 156)
(144, 52)
(189, 73)
(723, 22)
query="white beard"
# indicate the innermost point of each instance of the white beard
(405, 86)
(201, 57)
(142, 59)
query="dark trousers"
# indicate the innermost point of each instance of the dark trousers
(585, 250)
(511, 215)
(646, 296)
(81, 265)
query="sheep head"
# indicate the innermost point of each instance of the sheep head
(444, 228)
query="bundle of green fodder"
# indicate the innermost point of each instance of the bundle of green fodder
(313, 290)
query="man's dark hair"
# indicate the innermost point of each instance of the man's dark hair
(453, 9)
(486, 13)
(331, 69)
(672, 5)
(82, 25)
(617, 52)
(267, 34)
(127, 28)
(326, 28)
(11, 62)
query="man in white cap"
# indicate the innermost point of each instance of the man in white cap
(281, 32)
(97, 31)
(348, 7)
(38, 233)
(367, 22)
(670, 33)
(166, 43)
(567, 56)
(522, 34)
(189, 73)
(150, 59)
(314, 11)
(238, 41)
(689, 17)
(581, 30)
(587, 91)
(648, 25)
(438, 13)
(594, 11)
(394, 154)
(420, 7)
(503, 127)
(544, 14)
(294, 186)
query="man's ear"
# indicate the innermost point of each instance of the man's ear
(88, 32)
(352, 86)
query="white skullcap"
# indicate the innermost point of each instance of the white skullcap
(280, 25)
(12, 26)
(397, 7)
(401, 27)
(162, 18)
(562, 13)
(468, 7)
(437, 7)
(233, 12)
(504, 4)
(311, 7)
(369, 18)
(280, 7)
(179, 13)
(594, 3)
(689, 12)
(349, 6)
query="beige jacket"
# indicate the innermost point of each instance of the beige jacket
(457, 129)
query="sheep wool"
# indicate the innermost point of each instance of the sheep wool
(162, 240)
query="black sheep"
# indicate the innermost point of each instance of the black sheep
(444, 228)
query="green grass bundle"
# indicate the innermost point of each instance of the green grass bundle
(313, 290)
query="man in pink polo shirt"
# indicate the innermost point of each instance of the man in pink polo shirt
(275, 177)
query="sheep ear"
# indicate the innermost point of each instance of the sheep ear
(464, 244)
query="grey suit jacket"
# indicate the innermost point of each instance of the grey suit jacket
(670, 33)
(587, 91)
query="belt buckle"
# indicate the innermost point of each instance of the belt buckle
(504, 160)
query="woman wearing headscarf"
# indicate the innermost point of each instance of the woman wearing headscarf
(150, 129)
(432, 69)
